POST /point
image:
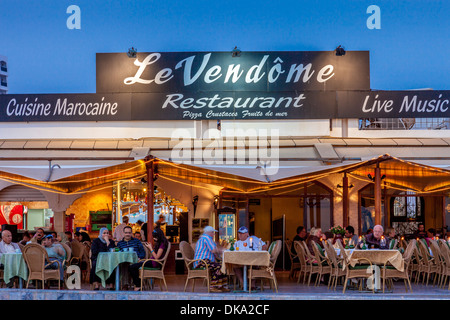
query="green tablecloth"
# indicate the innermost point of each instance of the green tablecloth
(14, 265)
(108, 261)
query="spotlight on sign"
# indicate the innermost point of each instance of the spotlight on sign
(340, 51)
(236, 52)
(132, 52)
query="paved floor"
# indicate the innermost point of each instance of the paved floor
(287, 290)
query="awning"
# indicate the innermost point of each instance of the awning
(399, 174)
(405, 175)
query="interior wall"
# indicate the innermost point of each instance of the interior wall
(433, 212)
(262, 218)
(92, 201)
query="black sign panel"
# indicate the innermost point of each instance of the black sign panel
(234, 105)
(175, 106)
(394, 104)
(226, 105)
(172, 72)
(65, 107)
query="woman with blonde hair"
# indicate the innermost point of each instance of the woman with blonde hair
(314, 235)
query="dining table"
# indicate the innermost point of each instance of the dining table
(231, 259)
(14, 266)
(107, 262)
(378, 257)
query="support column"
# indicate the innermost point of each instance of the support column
(377, 195)
(345, 205)
(305, 206)
(150, 200)
(59, 220)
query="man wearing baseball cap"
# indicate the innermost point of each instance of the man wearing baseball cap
(206, 249)
(55, 251)
(247, 243)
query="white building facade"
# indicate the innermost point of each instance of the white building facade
(3, 74)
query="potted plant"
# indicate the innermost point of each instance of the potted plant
(338, 233)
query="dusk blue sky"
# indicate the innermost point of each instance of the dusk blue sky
(411, 50)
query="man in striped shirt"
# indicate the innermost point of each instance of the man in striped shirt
(205, 250)
(130, 242)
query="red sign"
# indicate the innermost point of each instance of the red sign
(12, 214)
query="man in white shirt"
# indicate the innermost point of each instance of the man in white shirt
(7, 246)
(249, 243)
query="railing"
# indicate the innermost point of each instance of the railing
(3, 83)
(4, 69)
(404, 124)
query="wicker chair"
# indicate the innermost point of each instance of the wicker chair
(439, 260)
(66, 262)
(147, 253)
(68, 253)
(295, 265)
(428, 264)
(393, 244)
(305, 268)
(389, 272)
(154, 273)
(416, 261)
(445, 251)
(36, 257)
(193, 273)
(266, 272)
(343, 254)
(313, 267)
(336, 266)
(77, 253)
(322, 261)
(363, 269)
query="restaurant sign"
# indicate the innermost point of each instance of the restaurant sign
(394, 104)
(199, 72)
(217, 86)
(225, 105)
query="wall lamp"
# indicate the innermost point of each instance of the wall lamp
(216, 201)
(373, 178)
(350, 186)
(340, 51)
(194, 203)
(132, 52)
(236, 52)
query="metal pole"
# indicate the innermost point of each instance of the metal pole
(345, 206)
(377, 195)
(150, 198)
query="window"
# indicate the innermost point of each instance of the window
(406, 212)
(409, 207)
(404, 124)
